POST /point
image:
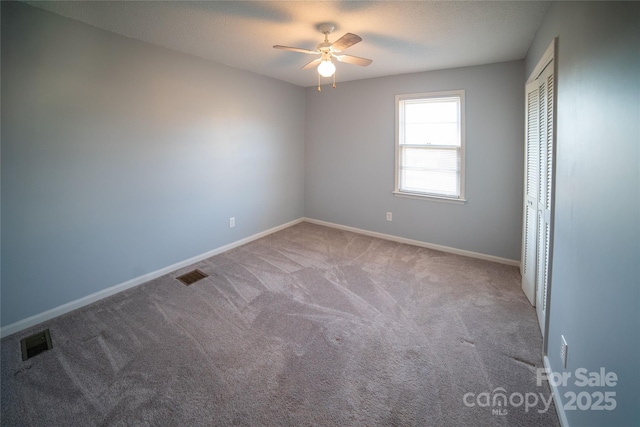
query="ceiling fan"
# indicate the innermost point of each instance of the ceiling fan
(328, 50)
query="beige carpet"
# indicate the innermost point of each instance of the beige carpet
(307, 326)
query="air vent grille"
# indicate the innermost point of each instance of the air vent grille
(35, 344)
(192, 277)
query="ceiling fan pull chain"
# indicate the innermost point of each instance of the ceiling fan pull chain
(334, 80)
(319, 90)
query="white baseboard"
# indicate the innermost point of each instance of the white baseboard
(562, 416)
(448, 249)
(73, 305)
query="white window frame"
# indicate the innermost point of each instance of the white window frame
(427, 95)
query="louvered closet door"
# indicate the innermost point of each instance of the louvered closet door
(532, 188)
(546, 108)
(538, 195)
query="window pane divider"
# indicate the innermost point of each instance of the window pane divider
(441, 147)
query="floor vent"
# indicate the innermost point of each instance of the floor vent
(191, 277)
(35, 344)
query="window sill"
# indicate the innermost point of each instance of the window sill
(432, 198)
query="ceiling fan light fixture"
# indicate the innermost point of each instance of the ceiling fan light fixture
(328, 51)
(326, 68)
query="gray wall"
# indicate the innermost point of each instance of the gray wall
(349, 169)
(120, 158)
(595, 294)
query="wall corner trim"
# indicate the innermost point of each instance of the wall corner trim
(393, 238)
(81, 302)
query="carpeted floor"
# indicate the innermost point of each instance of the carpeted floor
(308, 326)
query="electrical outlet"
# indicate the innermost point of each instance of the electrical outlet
(232, 222)
(564, 349)
(389, 216)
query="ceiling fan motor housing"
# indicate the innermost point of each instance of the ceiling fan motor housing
(324, 47)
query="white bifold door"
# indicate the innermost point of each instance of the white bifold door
(538, 192)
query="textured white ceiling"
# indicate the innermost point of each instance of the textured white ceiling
(400, 36)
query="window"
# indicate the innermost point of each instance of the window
(430, 145)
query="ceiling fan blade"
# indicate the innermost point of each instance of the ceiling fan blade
(356, 60)
(297, 49)
(345, 41)
(312, 63)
